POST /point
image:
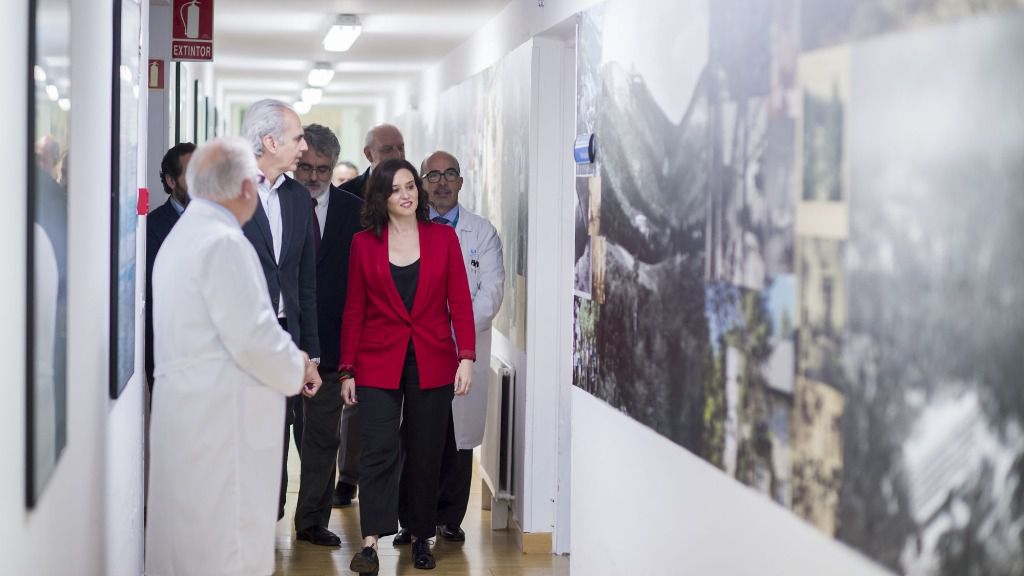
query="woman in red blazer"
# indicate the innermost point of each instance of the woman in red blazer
(407, 291)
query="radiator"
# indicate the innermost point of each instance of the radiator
(496, 452)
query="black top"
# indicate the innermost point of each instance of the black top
(406, 278)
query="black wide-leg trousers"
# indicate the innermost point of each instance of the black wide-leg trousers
(390, 420)
(453, 488)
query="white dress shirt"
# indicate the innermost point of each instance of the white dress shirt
(271, 201)
(321, 208)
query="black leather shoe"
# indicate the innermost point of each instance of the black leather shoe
(319, 535)
(365, 562)
(403, 537)
(421, 556)
(453, 533)
(343, 494)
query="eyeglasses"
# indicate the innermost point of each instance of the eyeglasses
(320, 170)
(434, 176)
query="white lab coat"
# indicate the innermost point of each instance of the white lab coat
(482, 255)
(223, 368)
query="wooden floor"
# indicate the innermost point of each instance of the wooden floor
(485, 552)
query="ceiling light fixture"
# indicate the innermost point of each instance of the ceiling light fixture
(321, 74)
(302, 107)
(343, 33)
(312, 96)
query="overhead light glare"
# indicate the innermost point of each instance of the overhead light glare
(302, 107)
(39, 73)
(64, 104)
(52, 93)
(312, 96)
(321, 75)
(343, 33)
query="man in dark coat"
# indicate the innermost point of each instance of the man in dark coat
(158, 225)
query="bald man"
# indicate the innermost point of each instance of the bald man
(383, 142)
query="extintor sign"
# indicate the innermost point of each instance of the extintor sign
(192, 30)
(156, 74)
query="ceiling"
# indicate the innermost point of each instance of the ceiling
(265, 48)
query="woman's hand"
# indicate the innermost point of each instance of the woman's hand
(348, 391)
(463, 377)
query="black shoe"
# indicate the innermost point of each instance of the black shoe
(319, 535)
(365, 562)
(404, 536)
(453, 533)
(421, 556)
(343, 494)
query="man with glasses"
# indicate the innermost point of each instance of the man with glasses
(383, 142)
(482, 256)
(335, 215)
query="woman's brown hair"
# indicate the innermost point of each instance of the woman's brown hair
(378, 190)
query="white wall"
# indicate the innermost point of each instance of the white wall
(88, 519)
(520, 21)
(643, 505)
(159, 119)
(125, 494)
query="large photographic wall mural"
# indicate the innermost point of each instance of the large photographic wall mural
(800, 256)
(485, 122)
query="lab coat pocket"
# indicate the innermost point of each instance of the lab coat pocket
(261, 409)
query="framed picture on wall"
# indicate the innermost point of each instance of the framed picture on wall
(49, 112)
(127, 91)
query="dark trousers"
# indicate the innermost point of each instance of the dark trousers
(348, 451)
(455, 482)
(423, 416)
(321, 415)
(292, 419)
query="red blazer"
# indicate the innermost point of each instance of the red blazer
(376, 326)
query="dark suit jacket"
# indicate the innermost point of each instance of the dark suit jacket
(293, 278)
(356, 185)
(342, 222)
(158, 225)
(377, 326)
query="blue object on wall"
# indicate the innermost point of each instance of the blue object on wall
(585, 148)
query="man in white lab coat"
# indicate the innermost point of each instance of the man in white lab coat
(482, 255)
(224, 367)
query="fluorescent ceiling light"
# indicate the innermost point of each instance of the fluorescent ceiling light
(321, 75)
(312, 95)
(343, 34)
(64, 104)
(302, 107)
(52, 93)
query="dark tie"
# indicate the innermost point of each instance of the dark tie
(441, 220)
(316, 222)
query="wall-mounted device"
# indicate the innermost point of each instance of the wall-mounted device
(585, 148)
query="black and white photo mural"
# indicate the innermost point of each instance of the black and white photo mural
(485, 122)
(800, 256)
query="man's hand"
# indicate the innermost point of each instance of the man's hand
(311, 378)
(463, 377)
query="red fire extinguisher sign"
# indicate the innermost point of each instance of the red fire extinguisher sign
(192, 30)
